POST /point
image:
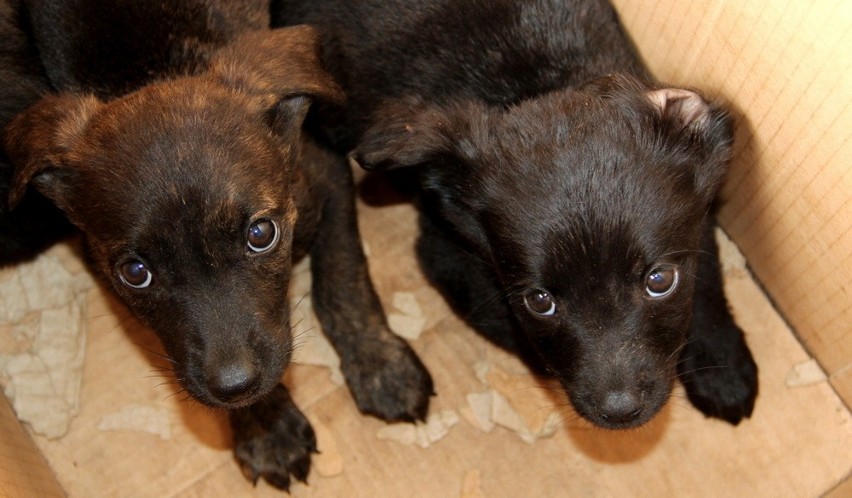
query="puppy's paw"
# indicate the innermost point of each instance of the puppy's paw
(273, 440)
(388, 380)
(720, 380)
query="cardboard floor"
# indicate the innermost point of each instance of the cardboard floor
(494, 431)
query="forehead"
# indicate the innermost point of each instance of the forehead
(596, 184)
(167, 152)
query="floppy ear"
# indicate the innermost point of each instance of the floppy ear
(409, 133)
(282, 68)
(38, 140)
(442, 144)
(699, 127)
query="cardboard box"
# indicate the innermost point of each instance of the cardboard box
(786, 68)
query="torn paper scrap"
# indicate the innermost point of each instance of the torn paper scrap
(805, 374)
(478, 411)
(732, 260)
(44, 283)
(481, 369)
(139, 418)
(528, 399)
(436, 427)
(300, 279)
(310, 345)
(42, 305)
(503, 413)
(408, 320)
(406, 303)
(513, 401)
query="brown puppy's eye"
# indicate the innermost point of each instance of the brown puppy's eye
(540, 302)
(133, 273)
(263, 234)
(661, 281)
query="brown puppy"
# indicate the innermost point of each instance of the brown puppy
(195, 194)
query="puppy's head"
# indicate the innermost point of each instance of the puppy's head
(184, 191)
(588, 204)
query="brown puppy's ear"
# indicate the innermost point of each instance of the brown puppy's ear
(409, 133)
(282, 68)
(38, 140)
(697, 127)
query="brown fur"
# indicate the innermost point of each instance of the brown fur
(171, 179)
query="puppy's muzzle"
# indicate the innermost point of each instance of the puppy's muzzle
(234, 381)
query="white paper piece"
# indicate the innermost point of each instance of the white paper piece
(139, 418)
(436, 427)
(806, 373)
(42, 307)
(311, 346)
(408, 320)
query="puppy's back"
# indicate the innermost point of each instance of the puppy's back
(111, 48)
(35, 222)
(497, 51)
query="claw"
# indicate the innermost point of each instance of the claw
(280, 481)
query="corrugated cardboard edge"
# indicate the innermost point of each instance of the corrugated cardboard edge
(23, 469)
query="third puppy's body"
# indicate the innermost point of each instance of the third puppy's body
(566, 197)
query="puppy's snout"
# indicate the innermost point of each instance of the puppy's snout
(234, 381)
(621, 407)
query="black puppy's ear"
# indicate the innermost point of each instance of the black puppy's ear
(282, 68)
(409, 133)
(38, 142)
(700, 128)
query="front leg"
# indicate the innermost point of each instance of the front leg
(385, 376)
(717, 368)
(273, 440)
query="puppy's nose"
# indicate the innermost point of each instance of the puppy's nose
(234, 382)
(621, 407)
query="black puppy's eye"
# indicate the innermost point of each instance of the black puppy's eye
(661, 281)
(134, 273)
(262, 235)
(540, 302)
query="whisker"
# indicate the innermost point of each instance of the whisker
(155, 353)
(699, 369)
(299, 302)
(175, 393)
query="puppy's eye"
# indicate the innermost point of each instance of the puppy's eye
(134, 273)
(262, 235)
(661, 281)
(540, 302)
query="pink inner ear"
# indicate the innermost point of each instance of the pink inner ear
(686, 106)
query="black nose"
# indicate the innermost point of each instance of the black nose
(620, 407)
(234, 382)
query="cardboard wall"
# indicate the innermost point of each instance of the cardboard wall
(787, 71)
(23, 469)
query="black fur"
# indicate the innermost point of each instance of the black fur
(173, 162)
(35, 222)
(553, 171)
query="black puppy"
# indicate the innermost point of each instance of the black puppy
(35, 222)
(195, 189)
(566, 197)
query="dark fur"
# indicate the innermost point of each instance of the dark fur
(35, 222)
(548, 159)
(171, 165)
